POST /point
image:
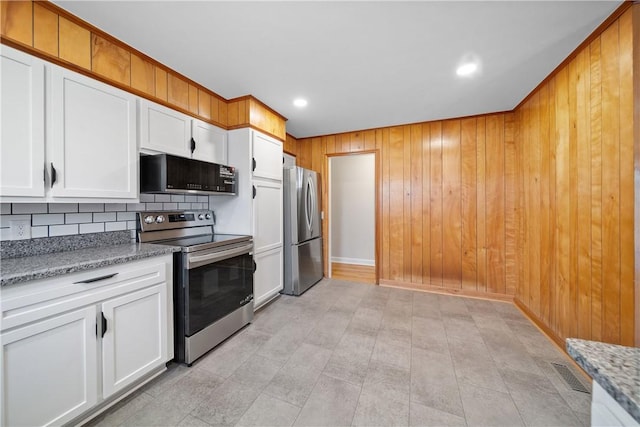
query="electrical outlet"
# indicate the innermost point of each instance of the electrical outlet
(20, 229)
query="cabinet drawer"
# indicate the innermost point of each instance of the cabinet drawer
(26, 303)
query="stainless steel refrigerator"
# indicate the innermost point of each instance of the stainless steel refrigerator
(302, 230)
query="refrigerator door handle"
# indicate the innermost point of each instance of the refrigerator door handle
(309, 204)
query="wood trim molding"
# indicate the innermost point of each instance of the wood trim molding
(378, 203)
(552, 336)
(494, 113)
(447, 291)
(636, 155)
(80, 70)
(191, 106)
(596, 33)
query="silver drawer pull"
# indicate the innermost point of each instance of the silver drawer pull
(96, 279)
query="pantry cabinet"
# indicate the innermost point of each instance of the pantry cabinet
(65, 137)
(164, 130)
(257, 208)
(79, 341)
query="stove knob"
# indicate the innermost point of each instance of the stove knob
(208, 216)
(201, 217)
(160, 219)
(149, 219)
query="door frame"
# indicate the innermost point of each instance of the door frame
(327, 208)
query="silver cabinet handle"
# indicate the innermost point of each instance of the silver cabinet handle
(97, 279)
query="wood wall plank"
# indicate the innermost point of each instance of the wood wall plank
(161, 82)
(143, 76)
(415, 208)
(611, 183)
(204, 104)
(193, 99)
(74, 43)
(436, 222)
(426, 203)
(583, 148)
(178, 91)
(451, 205)
(396, 204)
(481, 217)
(587, 177)
(469, 206)
(595, 122)
(45, 30)
(495, 204)
(110, 60)
(16, 21)
(627, 192)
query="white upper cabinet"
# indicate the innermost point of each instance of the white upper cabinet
(163, 130)
(209, 142)
(267, 157)
(93, 149)
(64, 137)
(21, 124)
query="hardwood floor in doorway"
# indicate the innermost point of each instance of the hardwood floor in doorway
(353, 272)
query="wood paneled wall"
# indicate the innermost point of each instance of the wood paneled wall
(537, 203)
(575, 178)
(43, 29)
(446, 207)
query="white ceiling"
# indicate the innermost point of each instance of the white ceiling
(361, 64)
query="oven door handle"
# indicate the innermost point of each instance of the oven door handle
(200, 260)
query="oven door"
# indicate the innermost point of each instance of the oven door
(218, 282)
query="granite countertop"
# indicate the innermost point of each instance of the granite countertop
(23, 269)
(616, 368)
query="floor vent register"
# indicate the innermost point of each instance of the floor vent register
(572, 381)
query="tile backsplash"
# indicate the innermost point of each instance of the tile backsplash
(62, 219)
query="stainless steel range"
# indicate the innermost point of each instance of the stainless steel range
(213, 278)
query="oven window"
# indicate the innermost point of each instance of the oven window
(215, 290)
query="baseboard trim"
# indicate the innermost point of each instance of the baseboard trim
(355, 261)
(446, 290)
(549, 333)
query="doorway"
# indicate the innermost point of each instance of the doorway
(352, 217)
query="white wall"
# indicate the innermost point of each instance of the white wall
(352, 181)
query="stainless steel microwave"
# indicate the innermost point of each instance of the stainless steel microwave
(164, 173)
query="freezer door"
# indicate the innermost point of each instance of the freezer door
(309, 225)
(303, 268)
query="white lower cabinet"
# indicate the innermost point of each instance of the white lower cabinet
(135, 339)
(49, 370)
(73, 344)
(267, 280)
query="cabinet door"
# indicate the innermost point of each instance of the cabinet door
(210, 142)
(267, 154)
(49, 370)
(21, 124)
(164, 130)
(267, 215)
(267, 280)
(94, 150)
(135, 339)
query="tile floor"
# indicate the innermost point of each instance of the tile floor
(362, 355)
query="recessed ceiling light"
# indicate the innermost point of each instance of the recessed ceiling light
(467, 69)
(300, 102)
